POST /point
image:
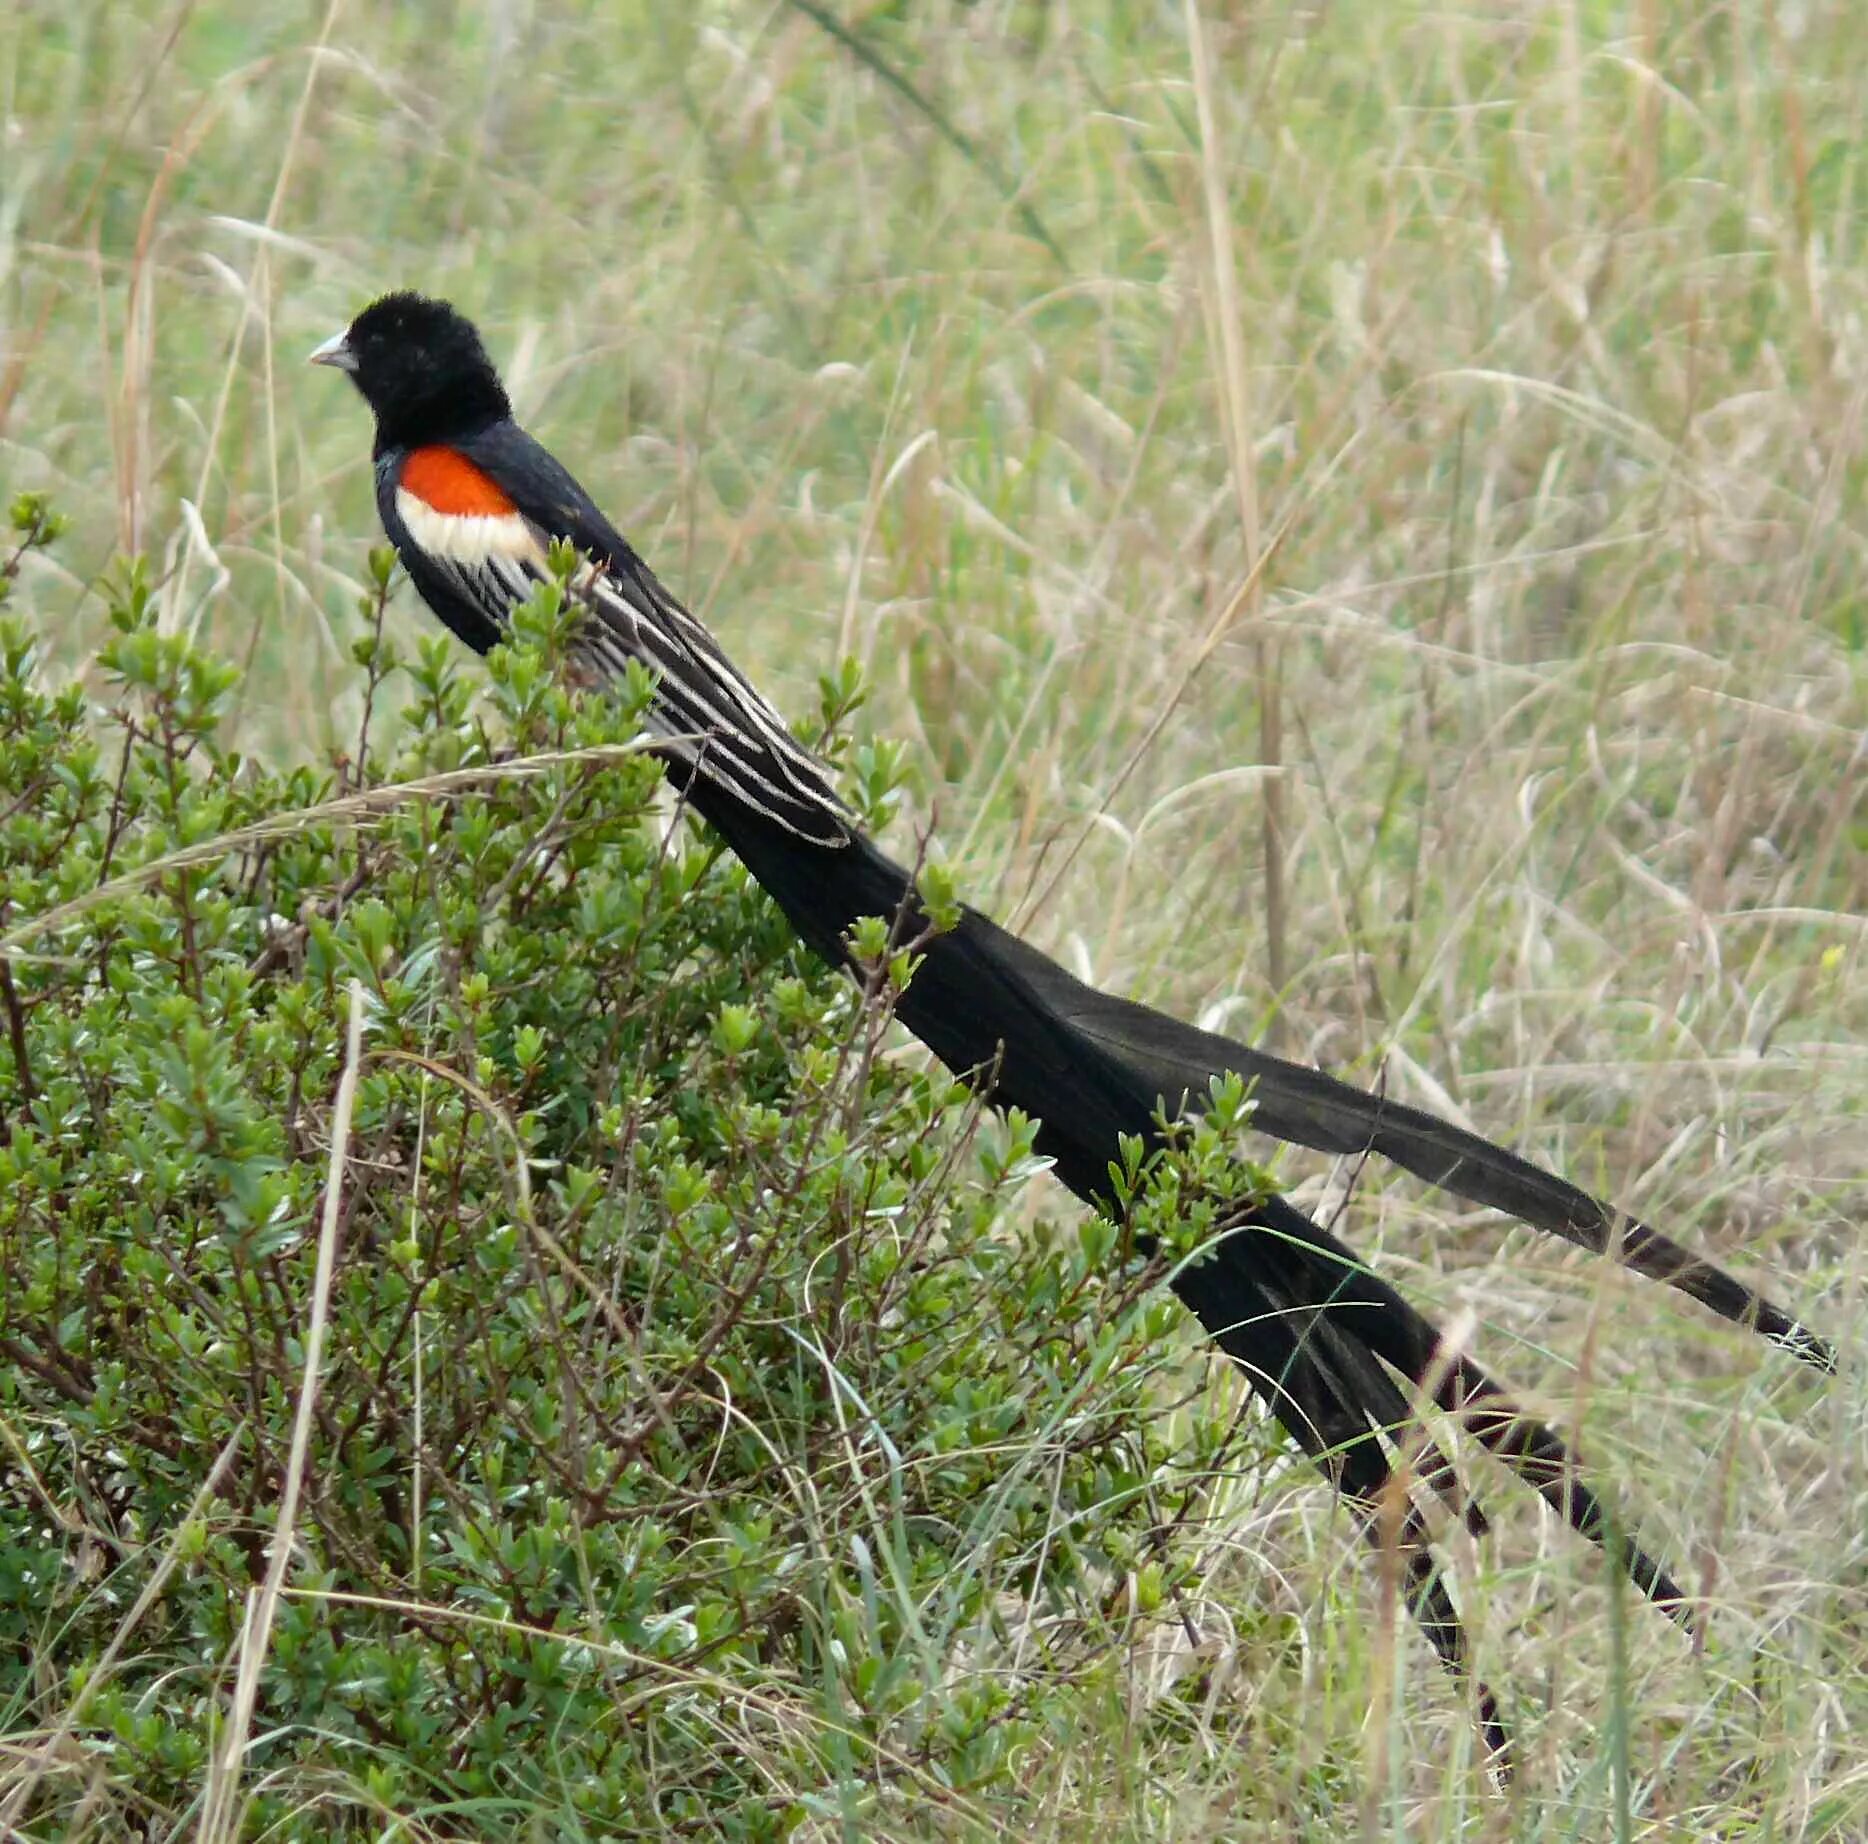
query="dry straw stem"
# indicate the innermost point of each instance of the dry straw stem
(219, 1813)
(256, 304)
(1241, 448)
(370, 804)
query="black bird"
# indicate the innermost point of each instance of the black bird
(471, 503)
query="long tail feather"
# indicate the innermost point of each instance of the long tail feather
(1321, 1337)
(1308, 1108)
(1256, 1294)
(1324, 1342)
(1397, 1332)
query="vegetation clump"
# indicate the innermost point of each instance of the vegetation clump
(699, 1443)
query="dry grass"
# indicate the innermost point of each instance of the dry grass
(1532, 342)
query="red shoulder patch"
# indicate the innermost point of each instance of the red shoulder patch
(446, 480)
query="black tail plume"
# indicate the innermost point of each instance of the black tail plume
(1326, 1343)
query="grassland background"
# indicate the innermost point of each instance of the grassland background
(1488, 381)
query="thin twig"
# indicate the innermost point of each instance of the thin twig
(374, 802)
(218, 1819)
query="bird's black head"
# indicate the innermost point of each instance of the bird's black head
(421, 368)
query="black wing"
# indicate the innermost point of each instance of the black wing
(715, 725)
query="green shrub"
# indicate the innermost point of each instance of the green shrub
(701, 1446)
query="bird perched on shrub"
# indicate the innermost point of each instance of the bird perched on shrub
(473, 506)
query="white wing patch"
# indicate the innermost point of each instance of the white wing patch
(470, 541)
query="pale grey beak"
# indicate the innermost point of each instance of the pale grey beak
(335, 351)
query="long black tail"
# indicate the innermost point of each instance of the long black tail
(1331, 1348)
(1325, 1342)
